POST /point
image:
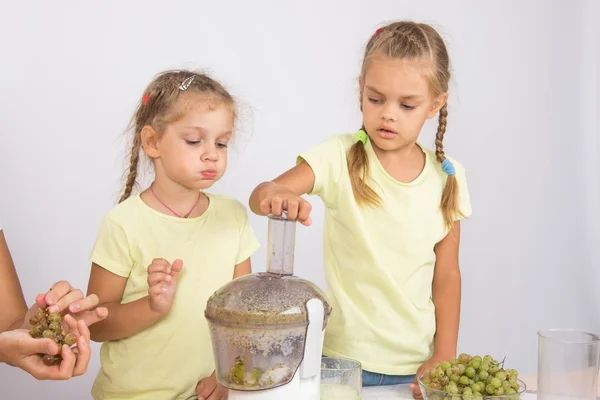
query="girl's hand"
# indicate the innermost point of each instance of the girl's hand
(162, 282)
(427, 365)
(209, 389)
(19, 349)
(279, 198)
(63, 298)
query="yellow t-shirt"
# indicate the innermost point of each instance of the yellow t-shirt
(166, 360)
(379, 262)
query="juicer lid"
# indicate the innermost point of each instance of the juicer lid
(265, 299)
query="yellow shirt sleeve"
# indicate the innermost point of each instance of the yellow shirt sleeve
(464, 200)
(111, 249)
(328, 161)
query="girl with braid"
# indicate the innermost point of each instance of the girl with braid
(161, 253)
(392, 213)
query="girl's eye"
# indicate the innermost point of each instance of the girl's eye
(407, 107)
(192, 142)
(374, 101)
(222, 145)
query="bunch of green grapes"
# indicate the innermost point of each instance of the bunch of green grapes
(472, 378)
(48, 325)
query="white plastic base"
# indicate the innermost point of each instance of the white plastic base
(295, 390)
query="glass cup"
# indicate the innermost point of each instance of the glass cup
(341, 379)
(568, 363)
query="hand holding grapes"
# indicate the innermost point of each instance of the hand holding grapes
(426, 366)
(63, 298)
(42, 357)
(162, 282)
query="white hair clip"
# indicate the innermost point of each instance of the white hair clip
(186, 84)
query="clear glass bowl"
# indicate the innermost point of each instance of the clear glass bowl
(435, 394)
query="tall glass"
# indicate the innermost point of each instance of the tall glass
(568, 362)
(341, 379)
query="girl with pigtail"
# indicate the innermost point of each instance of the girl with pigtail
(160, 253)
(392, 213)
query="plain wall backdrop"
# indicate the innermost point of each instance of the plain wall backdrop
(523, 120)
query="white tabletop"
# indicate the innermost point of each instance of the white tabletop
(402, 392)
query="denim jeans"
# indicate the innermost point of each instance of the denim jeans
(376, 379)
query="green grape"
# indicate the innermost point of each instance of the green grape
(455, 370)
(505, 385)
(34, 319)
(496, 383)
(70, 339)
(464, 358)
(469, 396)
(499, 391)
(36, 331)
(484, 367)
(445, 380)
(483, 375)
(510, 391)
(54, 317)
(490, 389)
(446, 365)
(467, 390)
(487, 358)
(478, 358)
(476, 378)
(489, 379)
(478, 387)
(470, 372)
(43, 323)
(48, 334)
(478, 396)
(55, 326)
(463, 368)
(464, 380)
(500, 375)
(493, 369)
(474, 363)
(452, 389)
(455, 378)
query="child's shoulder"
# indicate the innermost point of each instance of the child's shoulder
(438, 165)
(125, 210)
(226, 203)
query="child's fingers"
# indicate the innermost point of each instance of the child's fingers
(176, 269)
(71, 324)
(83, 356)
(292, 209)
(157, 277)
(83, 330)
(67, 364)
(62, 303)
(156, 290)
(277, 205)
(159, 265)
(304, 210)
(57, 291)
(88, 303)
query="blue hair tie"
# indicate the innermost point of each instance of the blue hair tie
(361, 136)
(448, 167)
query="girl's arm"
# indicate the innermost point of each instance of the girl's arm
(446, 293)
(13, 307)
(243, 268)
(123, 320)
(283, 193)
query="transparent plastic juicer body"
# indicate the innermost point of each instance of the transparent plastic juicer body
(262, 328)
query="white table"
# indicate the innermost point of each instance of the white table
(402, 392)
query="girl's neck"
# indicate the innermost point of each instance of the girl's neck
(171, 198)
(404, 164)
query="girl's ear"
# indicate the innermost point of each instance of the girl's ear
(438, 103)
(150, 141)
